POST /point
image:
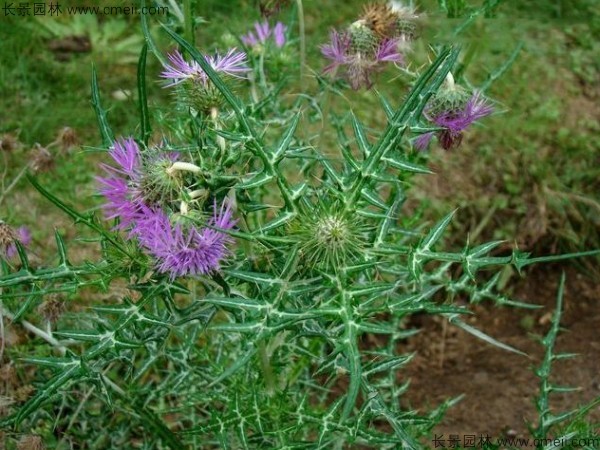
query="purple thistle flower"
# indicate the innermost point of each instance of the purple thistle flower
(337, 50)
(23, 235)
(231, 64)
(455, 122)
(263, 32)
(182, 250)
(249, 39)
(388, 52)
(122, 187)
(126, 154)
(359, 65)
(279, 34)
(422, 142)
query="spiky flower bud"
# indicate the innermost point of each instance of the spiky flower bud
(201, 99)
(329, 238)
(450, 97)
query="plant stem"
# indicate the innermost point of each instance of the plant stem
(188, 25)
(267, 370)
(302, 38)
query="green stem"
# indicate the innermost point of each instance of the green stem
(267, 370)
(188, 25)
(353, 355)
(302, 38)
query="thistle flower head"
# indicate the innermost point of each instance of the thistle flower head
(392, 20)
(263, 32)
(458, 116)
(52, 307)
(8, 236)
(329, 238)
(380, 18)
(67, 137)
(360, 54)
(197, 90)
(182, 248)
(279, 34)
(8, 142)
(41, 159)
(337, 50)
(232, 64)
(122, 187)
(362, 38)
(136, 180)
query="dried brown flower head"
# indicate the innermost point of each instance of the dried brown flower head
(52, 308)
(8, 143)
(67, 138)
(41, 159)
(380, 18)
(7, 236)
(269, 8)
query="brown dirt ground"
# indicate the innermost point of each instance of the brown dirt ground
(499, 387)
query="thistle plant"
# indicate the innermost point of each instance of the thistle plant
(250, 283)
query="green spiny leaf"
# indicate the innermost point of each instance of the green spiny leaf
(105, 131)
(145, 129)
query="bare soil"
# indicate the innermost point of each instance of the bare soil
(499, 387)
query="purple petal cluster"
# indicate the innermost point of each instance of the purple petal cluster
(23, 235)
(337, 50)
(184, 249)
(262, 34)
(178, 249)
(358, 66)
(122, 186)
(455, 122)
(233, 64)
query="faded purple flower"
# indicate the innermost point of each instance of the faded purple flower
(455, 123)
(183, 249)
(122, 187)
(179, 70)
(279, 34)
(358, 65)
(263, 33)
(422, 142)
(388, 52)
(337, 50)
(23, 235)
